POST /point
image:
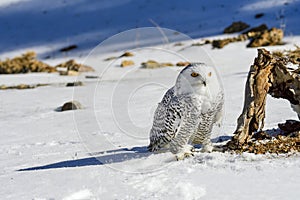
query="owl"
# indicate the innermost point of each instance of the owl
(187, 113)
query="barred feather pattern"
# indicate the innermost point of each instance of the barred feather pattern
(179, 121)
(208, 119)
(190, 120)
(175, 121)
(166, 121)
(186, 114)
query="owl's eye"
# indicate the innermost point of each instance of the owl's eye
(194, 74)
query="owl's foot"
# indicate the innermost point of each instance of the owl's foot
(207, 148)
(187, 151)
(183, 155)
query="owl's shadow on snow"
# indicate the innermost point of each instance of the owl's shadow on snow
(106, 157)
(98, 158)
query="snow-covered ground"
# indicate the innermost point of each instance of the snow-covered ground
(100, 152)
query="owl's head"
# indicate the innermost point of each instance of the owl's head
(191, 80)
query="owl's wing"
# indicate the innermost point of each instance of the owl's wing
(167, 118)
(208, 119)
(219, 107)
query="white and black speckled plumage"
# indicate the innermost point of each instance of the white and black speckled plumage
(186, 114)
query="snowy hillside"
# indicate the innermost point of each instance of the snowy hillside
(100, 152)
(50, 25)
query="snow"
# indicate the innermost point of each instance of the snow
(82, 194)
(100, 152)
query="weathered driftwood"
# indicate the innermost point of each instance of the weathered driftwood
(268, 75)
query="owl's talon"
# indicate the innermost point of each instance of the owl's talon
(207, 148)
(183, 155)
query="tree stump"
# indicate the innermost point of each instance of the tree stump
(269, 74)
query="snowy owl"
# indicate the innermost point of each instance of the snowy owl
(186, 114)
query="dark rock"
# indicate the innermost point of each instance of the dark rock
(236, 27)
(72, 84)
(290, 126)
(71, 105)
(261, 135)
(259, 15)
(91, 77)
(127, 54)
(258, 29)
(68, 48)
(221, 43)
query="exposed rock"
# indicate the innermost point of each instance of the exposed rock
(126, 63)
(199, 43)
(167, 64)
(256, 31)
(151, 64)
(68, 48)
(85, 68)
(178, 44)
(24, 64)
(182, 64)
(260, 36)
(72, 84)
(72, 68)
(290, 126)
(261, 135)
(127, 54)
(69, 65)
(110, 58)
(259, 15)
(28, 63)
(68, 73)
(91, 77)
(221, 43)
(22, 86)
(236, 27)
(202, 43)
(71, 105)
(267, 38)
